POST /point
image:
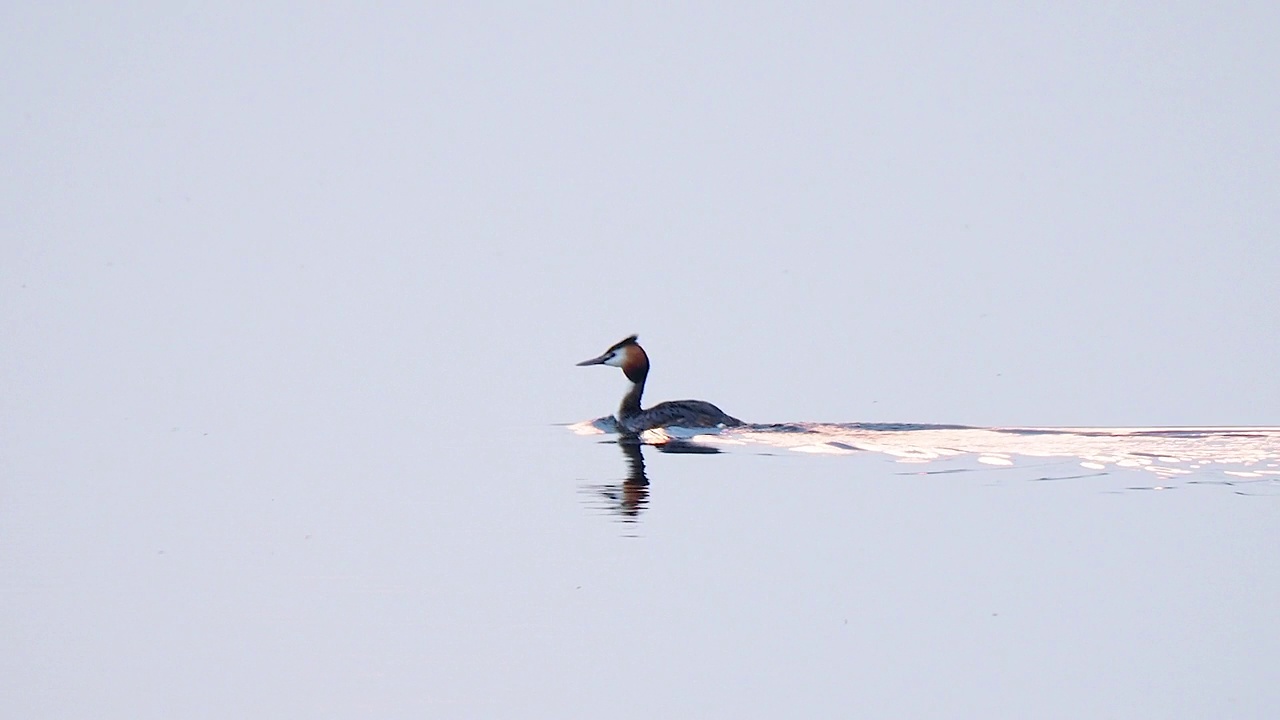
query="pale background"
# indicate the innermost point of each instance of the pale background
(291, 296)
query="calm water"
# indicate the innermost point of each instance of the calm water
(291, 299)
(546, 573)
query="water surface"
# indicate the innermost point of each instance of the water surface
(291, 297)
(924, 570)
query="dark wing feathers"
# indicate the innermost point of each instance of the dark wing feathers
(698, 413)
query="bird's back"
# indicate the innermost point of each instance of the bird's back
(681, 413)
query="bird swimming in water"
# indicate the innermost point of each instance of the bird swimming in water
(628, 355)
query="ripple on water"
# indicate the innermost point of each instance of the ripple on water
(1247, 458)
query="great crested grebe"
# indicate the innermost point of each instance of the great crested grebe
(628, 355)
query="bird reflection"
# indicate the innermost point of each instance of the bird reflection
(630, 497)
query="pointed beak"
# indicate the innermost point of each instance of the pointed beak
(594, 361)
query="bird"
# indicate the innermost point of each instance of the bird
(632, 419)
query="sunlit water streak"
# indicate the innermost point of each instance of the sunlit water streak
(1244, 458)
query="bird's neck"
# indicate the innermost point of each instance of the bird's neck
(631, 401)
